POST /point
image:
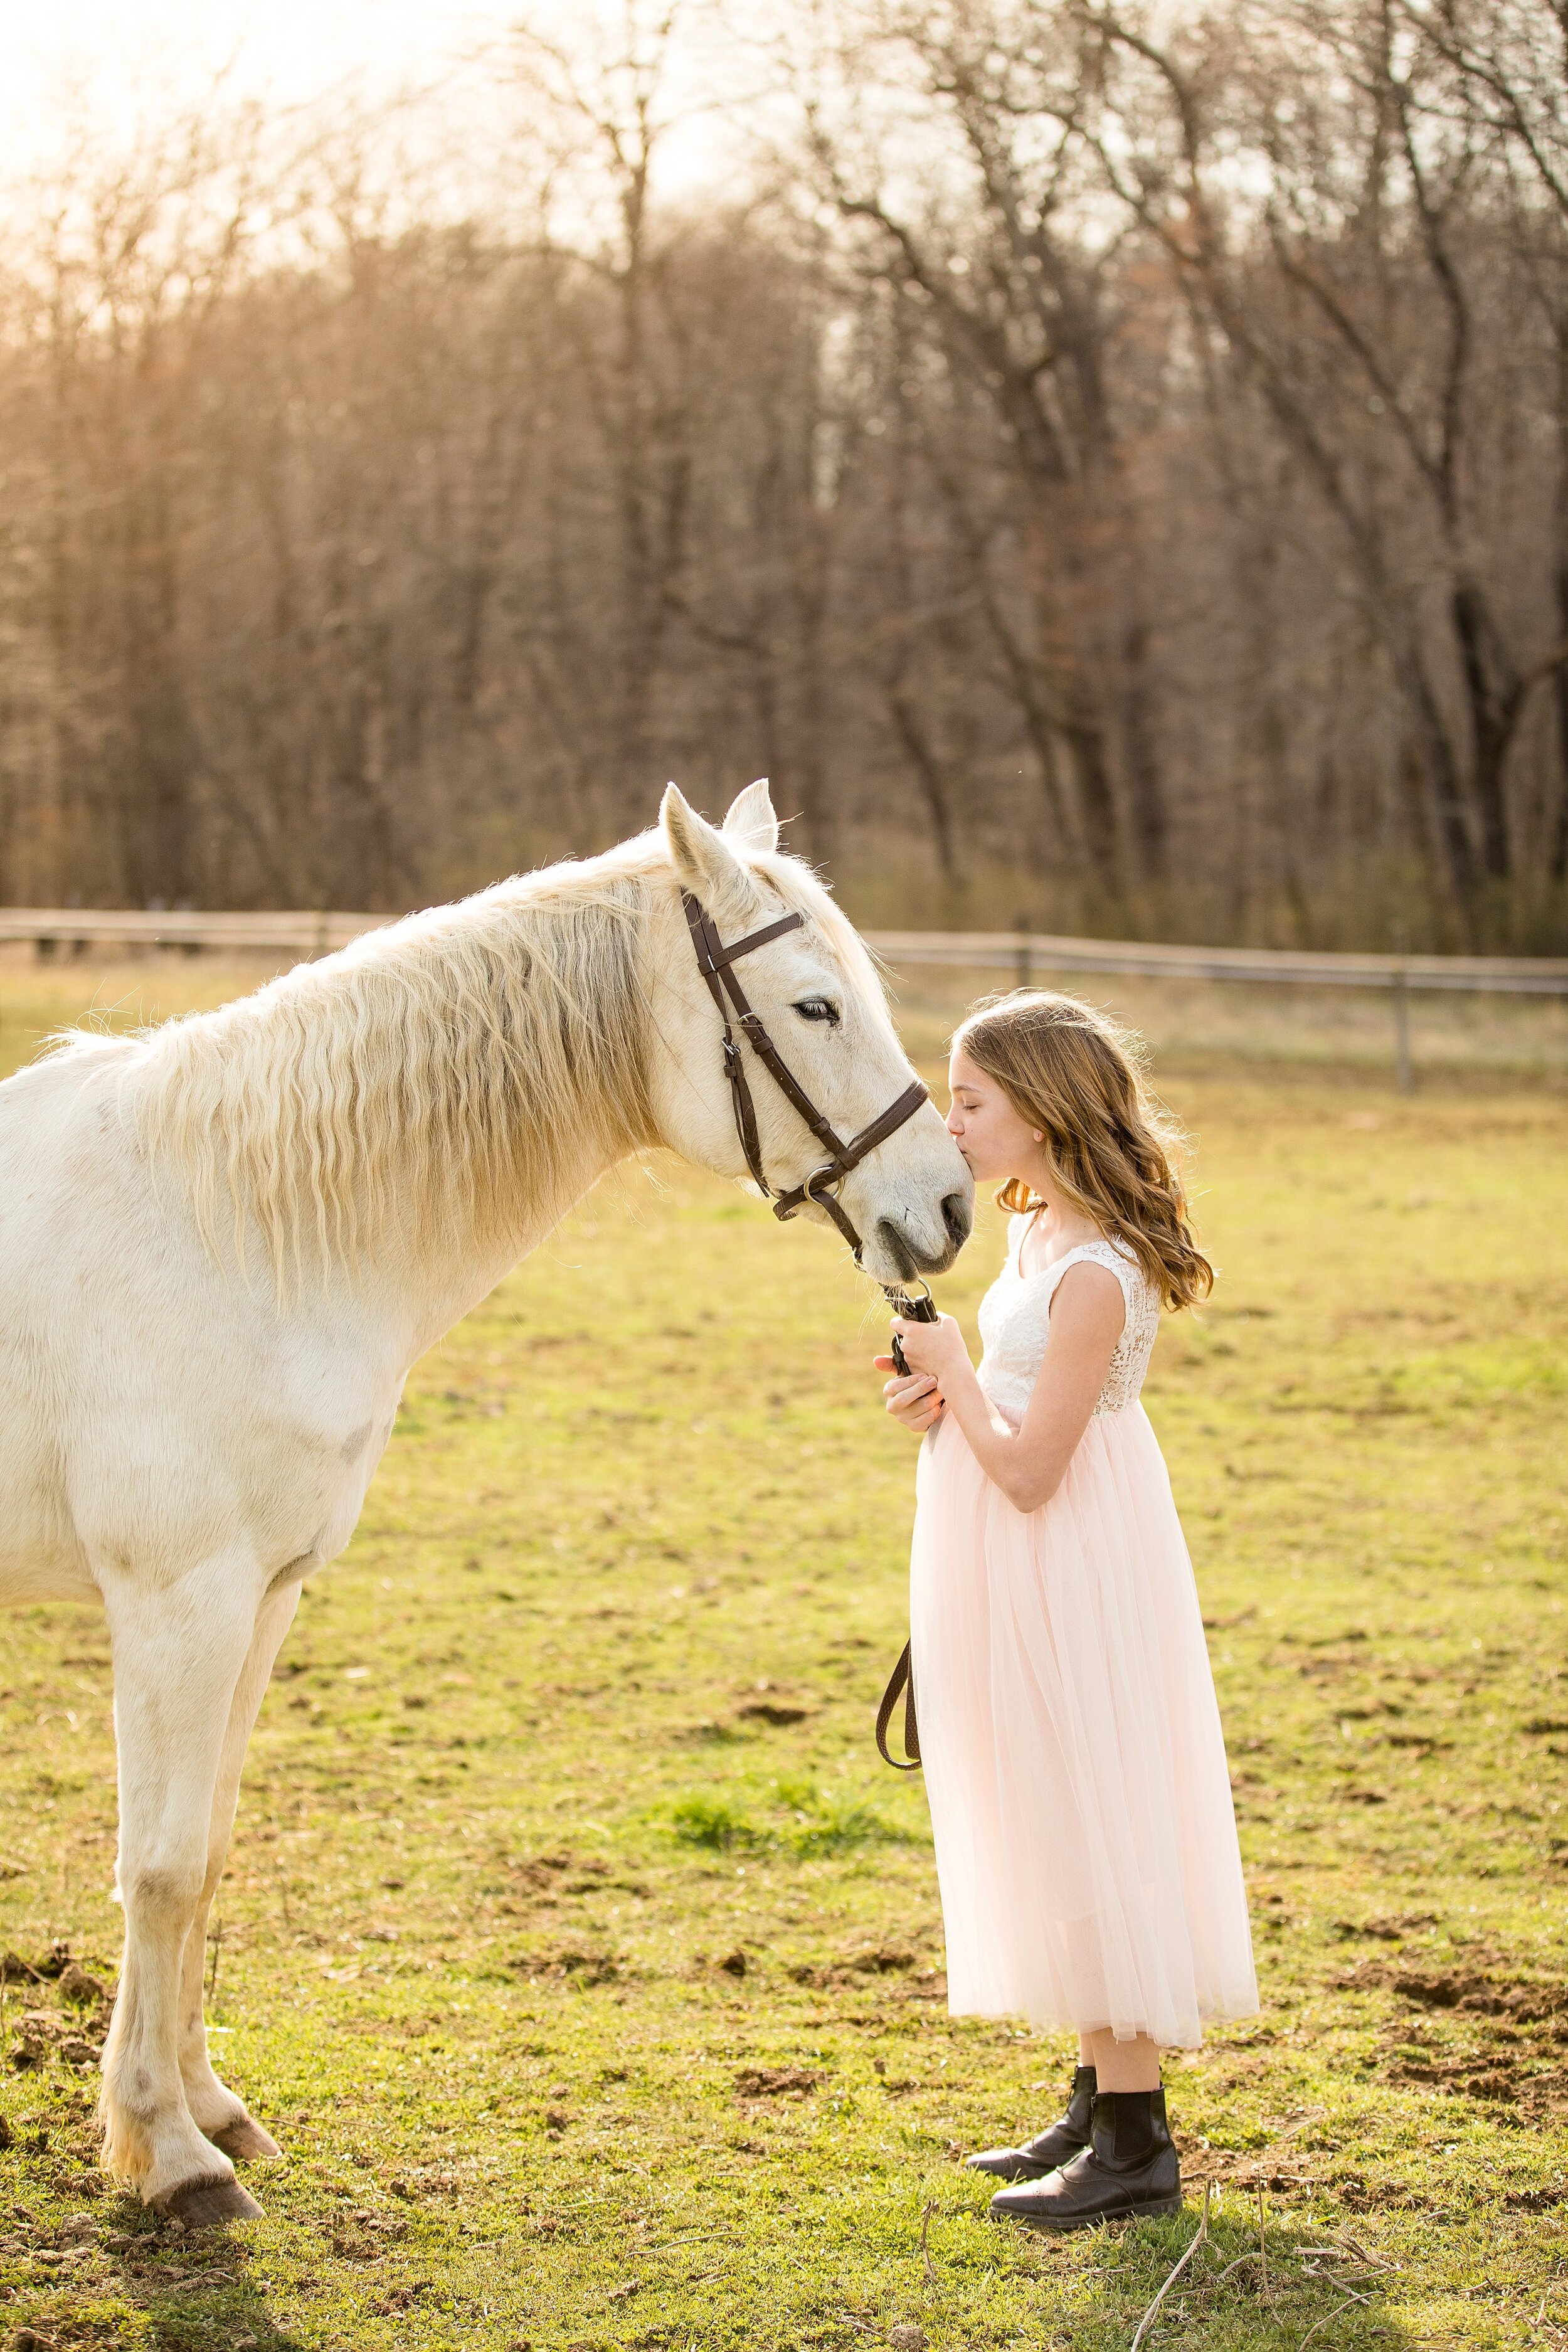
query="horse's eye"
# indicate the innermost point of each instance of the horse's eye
(817, 1008)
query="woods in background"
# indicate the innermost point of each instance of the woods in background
(1099, 468)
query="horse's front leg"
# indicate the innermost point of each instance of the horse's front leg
(179, 1654)
(217, 2110)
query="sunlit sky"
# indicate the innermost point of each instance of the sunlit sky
(293, 50)
(126, 59)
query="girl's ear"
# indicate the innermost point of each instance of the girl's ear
(704, 862)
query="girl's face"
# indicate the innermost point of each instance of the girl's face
(988, 1131)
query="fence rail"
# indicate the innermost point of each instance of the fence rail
(182, 927)
(315, 933)
(1030, 951)
(1023, 953)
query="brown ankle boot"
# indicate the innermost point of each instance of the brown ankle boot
(1051, 2147)
(1130, 2167)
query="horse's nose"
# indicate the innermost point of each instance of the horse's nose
(957, 1216)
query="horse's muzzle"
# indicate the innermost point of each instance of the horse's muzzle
(957, 1217)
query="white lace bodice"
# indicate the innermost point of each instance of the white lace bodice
(1016, 1323)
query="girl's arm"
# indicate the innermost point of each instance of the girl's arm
(1086, 1315)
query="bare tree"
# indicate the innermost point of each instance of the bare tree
(1121, 476)
(1364, 333)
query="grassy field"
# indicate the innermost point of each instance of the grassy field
(588, 1963)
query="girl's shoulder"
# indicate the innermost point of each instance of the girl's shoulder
(1117, 1255)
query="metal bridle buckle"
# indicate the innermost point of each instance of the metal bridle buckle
(829, 1168)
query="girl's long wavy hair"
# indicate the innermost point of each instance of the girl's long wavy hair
(1114, 1151)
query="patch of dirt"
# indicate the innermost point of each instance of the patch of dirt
(363, 2237)
(1510, 2058)
(1524, 1999)
(1458, 2075)
(396, 2299)
(1274, 2170)
(57, 1962)
(1505, 2079)
(776, 1711)
(1328, 1663)
(775, 2083)
(875, 1960)
(581, 1963)
(37, 2032)
(422, 2182)
(84, 1991)
(547, 1873)
(1391, 1930)
(1359, 2195)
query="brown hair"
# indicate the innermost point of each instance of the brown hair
(1112, 1149)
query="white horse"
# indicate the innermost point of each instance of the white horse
(224, 1243)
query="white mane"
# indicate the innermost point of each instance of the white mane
(392, 1080)
(446, 1071)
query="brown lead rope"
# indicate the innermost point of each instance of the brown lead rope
(716, 961)
(902, 1678)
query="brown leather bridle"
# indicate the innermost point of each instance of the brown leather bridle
(716, 962)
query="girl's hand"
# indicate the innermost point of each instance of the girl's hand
(935, 1348)
(914, 1399)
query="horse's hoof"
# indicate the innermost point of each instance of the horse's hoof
(202, 2204)
(244, 2140)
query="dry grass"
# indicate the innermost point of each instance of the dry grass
(588, 1963)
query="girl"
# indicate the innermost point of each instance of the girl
(1085, 1841)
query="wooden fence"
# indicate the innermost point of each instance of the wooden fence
(1025, 954)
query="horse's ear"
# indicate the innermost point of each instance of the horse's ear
(751, 824)
(704, 862)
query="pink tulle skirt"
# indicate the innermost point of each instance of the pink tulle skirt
(1080, 1796)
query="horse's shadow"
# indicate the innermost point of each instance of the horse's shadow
(194, 2289)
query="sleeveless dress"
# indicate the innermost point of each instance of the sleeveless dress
(1080, 1796)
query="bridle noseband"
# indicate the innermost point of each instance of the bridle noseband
(716, 962)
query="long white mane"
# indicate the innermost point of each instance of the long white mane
(446, 1073)
(442, 1073)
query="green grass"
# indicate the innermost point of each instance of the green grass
(588, 1961)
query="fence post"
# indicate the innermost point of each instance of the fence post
(1404, 1073)
(1022, 963)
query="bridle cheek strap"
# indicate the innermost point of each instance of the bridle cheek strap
(716, 962)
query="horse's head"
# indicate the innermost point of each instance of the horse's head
(817, 995)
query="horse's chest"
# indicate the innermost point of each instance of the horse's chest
(258, 1446)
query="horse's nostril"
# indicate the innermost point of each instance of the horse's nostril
(957, 1216)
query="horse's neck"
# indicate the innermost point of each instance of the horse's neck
(426, 1291)
(497, 1055)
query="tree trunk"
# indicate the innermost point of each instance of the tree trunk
(1145, 784)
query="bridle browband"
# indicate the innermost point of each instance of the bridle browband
(716, 963)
